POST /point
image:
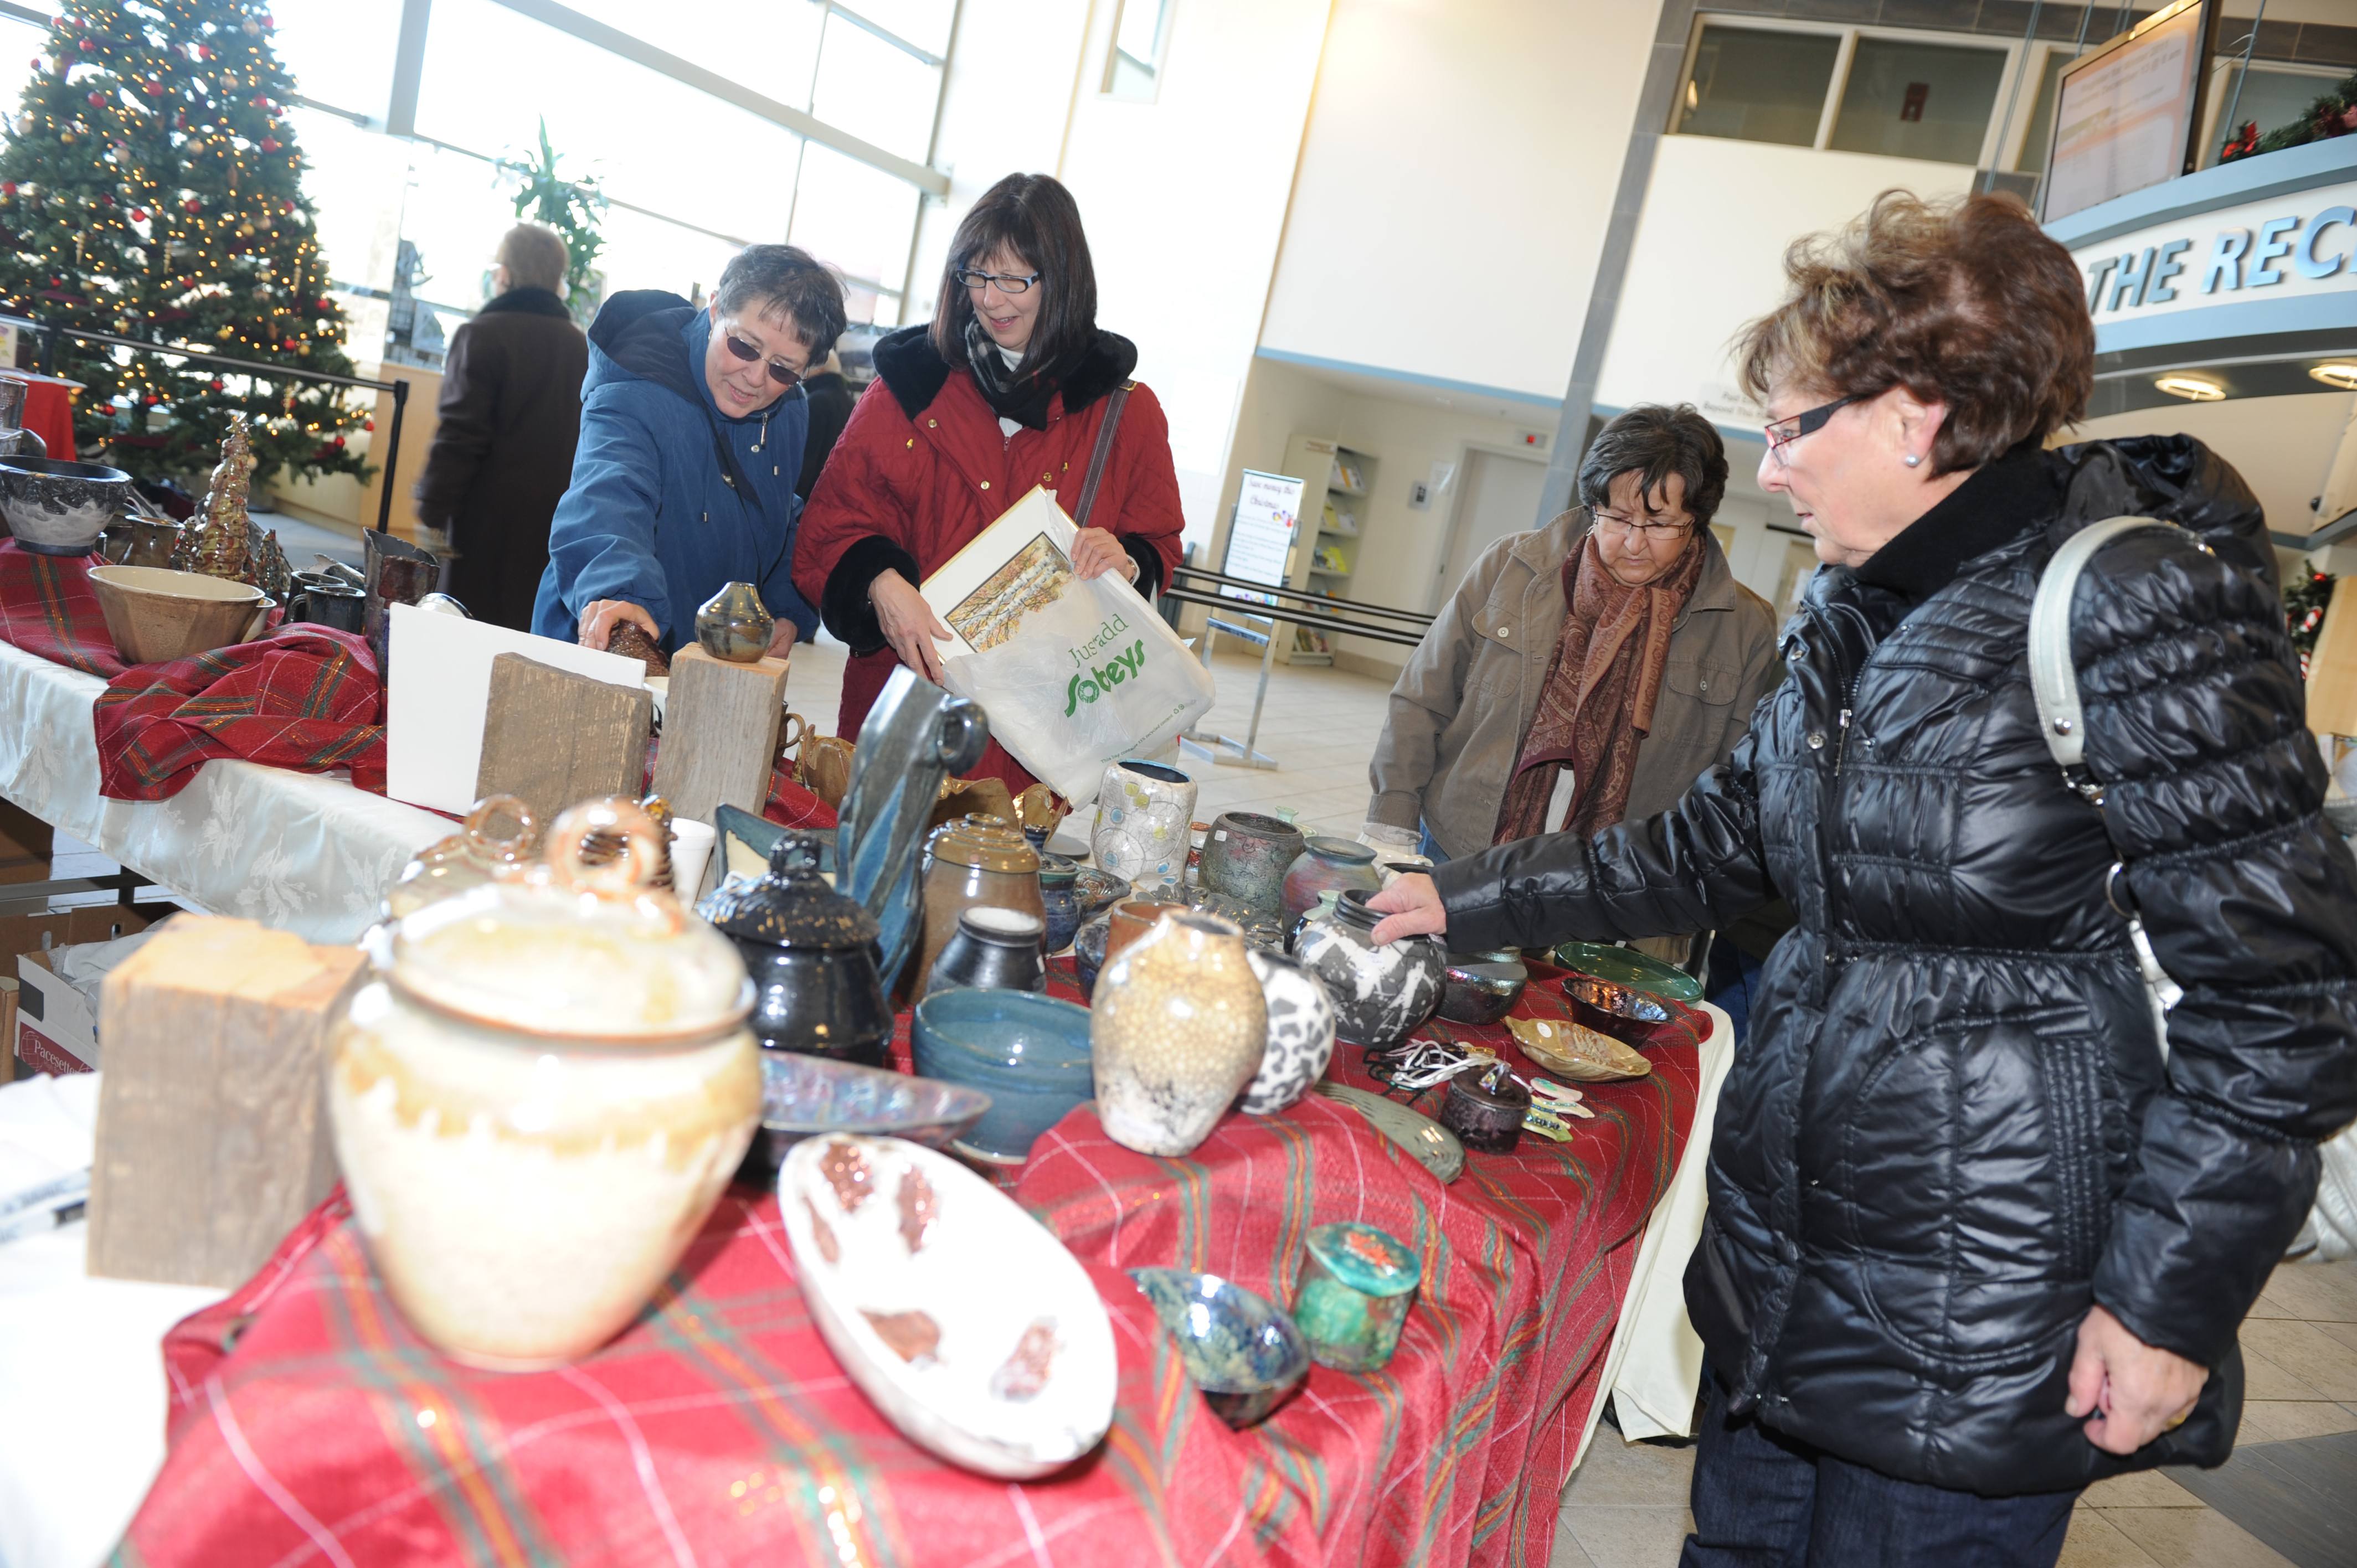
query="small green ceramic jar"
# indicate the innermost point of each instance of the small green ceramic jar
(1357, 1285)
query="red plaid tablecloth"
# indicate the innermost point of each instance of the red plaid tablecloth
(309, 1425)
(305, 697)
(49, 609)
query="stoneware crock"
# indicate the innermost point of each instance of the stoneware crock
(994, 950)
(1178, 1028)
(539, 1097)
(973, 866)
(1247, 857)
(1143, 810)
(1381, 994)
(1324, 866)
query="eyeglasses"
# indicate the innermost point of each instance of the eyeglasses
(1648, 531)
(1784, 432)
(784, 375)
(1008, 283)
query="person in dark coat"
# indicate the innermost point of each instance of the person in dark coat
(511, 413)
(1977, 1235)
(830, 399)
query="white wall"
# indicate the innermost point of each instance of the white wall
(1708, 255)
(1459, 164)
(1184, 197)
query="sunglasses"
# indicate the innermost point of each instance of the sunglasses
(784, 376)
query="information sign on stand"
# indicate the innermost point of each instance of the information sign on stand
(1260, 548)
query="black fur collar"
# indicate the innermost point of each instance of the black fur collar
(906, 361)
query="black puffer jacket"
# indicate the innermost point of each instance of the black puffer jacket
(1950, 1129)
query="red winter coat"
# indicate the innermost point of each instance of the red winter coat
(923, 467)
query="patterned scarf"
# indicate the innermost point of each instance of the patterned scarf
(1022, 398)
(1598, 704)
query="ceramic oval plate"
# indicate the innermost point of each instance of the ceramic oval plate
(1628, 968)
(1436, 1148)
(970, 1326)
(1577, 1052)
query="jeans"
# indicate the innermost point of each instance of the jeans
(1430, 848)
(1733, 974)
(1765, 1500)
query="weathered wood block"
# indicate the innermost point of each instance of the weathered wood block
(720, 734)
(213, 1127)
(556, 739)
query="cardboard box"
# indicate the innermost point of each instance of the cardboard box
(26, 843)
(56, 1030)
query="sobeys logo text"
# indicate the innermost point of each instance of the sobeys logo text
(1091, 683)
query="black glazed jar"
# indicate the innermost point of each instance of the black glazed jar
(812, 953)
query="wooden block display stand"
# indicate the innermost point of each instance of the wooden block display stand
(555, 739)
(720, 734)
(212, 1130)
(2333, 668)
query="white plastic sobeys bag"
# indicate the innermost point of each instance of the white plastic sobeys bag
(1074, 675)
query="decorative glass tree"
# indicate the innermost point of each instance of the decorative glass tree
(151, 188)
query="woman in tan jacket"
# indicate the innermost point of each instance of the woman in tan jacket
(1588, 672)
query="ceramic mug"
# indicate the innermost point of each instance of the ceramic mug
(1143, 812)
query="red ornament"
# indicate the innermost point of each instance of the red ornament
(8, 188)
(193, 205)
(324, 305)
(153, 400)
(368, 425)
(339, 443)
(269, 144)
(152, 88)
(216, 384)
(288, 345)
(139, 215)
(86, 45)
(98, 100)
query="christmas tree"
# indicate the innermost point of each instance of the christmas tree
(151, 188)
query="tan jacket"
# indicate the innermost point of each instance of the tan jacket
(1467, 697)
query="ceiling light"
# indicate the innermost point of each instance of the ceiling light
(2193, 389)
(2338, 373)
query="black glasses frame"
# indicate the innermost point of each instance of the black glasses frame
(1782, 433)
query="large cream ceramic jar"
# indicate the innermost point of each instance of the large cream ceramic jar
(540, 1098)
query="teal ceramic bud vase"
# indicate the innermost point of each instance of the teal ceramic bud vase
(1357, 1285)
(734, 625)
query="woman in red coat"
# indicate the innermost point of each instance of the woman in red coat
(1005, 388)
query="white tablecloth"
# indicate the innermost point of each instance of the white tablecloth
(303, 852)
(1654, 1366)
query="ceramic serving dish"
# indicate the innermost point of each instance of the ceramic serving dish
(154, 614)
(893, 1245)
(1433, 1147)
(58, 508)
(1244, 1354)
(1623, 981)
(1030, 1053)
(1481, 988)
(1571, 1050)
(809, 1097)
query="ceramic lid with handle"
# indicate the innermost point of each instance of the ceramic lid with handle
(791, 905)
(575, 951)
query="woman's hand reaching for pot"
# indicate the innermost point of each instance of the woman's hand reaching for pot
(909, 624)
(1414, 909)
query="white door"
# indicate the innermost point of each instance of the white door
(1497, 496)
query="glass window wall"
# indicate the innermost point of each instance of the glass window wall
(1758, 86)
(1908, 100)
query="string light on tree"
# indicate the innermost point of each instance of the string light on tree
(152, 188)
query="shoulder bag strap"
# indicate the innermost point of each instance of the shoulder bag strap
(1114, 405)
(2055, 681)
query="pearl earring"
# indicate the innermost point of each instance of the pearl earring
(1913, 459)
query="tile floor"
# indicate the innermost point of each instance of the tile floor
(1626, 1506)
(1321, 725)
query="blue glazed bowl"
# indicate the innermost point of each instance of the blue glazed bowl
(1244, 1353)
(1030, 1053)
(805, 1097)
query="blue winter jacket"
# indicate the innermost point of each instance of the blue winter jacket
(670, 500)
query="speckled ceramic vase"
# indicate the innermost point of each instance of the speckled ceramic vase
(1300, 1034)
(1143, 810)
(1177, 1030)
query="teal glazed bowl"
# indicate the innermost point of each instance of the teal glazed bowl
(1030, 1053)
(1244, 1353)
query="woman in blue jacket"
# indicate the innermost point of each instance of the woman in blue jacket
(692, 430)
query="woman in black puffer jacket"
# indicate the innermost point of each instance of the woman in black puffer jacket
(1972, 1243)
